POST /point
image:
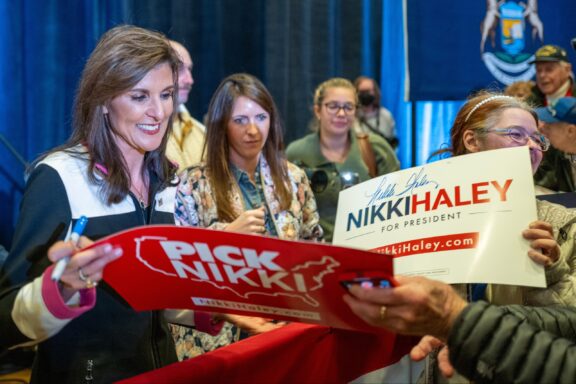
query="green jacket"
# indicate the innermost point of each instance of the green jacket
(306, 153)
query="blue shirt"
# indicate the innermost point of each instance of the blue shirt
(253, 195)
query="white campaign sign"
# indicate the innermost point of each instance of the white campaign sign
(459, 220)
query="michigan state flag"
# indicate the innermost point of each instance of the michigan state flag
(457, 47)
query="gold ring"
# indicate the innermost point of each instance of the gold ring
(91, 284)
(382, 312)
(81, 275)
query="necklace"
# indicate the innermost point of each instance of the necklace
(140, 197)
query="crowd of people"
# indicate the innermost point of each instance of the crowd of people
(137, 157)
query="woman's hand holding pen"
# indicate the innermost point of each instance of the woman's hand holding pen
(85, 268)
(251, 221)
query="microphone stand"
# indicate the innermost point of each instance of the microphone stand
(13, 151)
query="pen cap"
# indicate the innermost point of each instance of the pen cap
(80, 225)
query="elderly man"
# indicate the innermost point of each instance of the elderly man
(553, 76)
(558, 169)
(188, 135)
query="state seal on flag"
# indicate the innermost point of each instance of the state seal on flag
(504, 27)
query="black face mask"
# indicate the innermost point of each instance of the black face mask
(366, 98)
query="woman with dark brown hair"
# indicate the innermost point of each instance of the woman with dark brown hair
(113, 171)
(246, 184)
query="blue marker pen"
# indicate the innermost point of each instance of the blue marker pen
(72, 236)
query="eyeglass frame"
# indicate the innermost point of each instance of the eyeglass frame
(541, 140)
(332, 104)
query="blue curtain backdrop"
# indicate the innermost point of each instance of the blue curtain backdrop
(44, 46)
(291, 45)
(432, 119)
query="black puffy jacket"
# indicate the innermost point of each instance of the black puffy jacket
(515, 344)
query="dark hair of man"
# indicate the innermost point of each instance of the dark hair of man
(217, 147)
(377, 93)
(121, 59)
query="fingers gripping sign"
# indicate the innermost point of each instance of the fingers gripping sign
(545, 250)
(85, 267)
(417, 306)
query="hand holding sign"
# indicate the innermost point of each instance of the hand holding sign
(545, 250)
(227, 272)
(453, 228)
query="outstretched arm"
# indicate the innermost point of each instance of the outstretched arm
(491, 344)
(486, 343)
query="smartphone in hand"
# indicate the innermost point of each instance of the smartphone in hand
(367, 279)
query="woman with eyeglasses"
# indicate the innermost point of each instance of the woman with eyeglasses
(333, 156)
(245, 185)
(492, 121)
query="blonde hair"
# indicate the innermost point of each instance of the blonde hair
(335, 82)
(320, 95)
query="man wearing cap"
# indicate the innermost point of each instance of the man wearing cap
(553, 76)
(186, 142)
(558, 168)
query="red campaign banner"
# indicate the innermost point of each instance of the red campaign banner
(215, 271)
(296, 353)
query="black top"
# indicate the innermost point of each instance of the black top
(110, 341)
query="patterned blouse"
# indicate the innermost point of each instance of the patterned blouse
(195, 206)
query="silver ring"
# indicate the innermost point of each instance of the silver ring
(81, 275)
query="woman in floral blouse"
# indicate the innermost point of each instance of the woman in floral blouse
(245, 185)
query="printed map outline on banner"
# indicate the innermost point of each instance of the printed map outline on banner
(327, 261)
(174, 261)
(318, 278)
